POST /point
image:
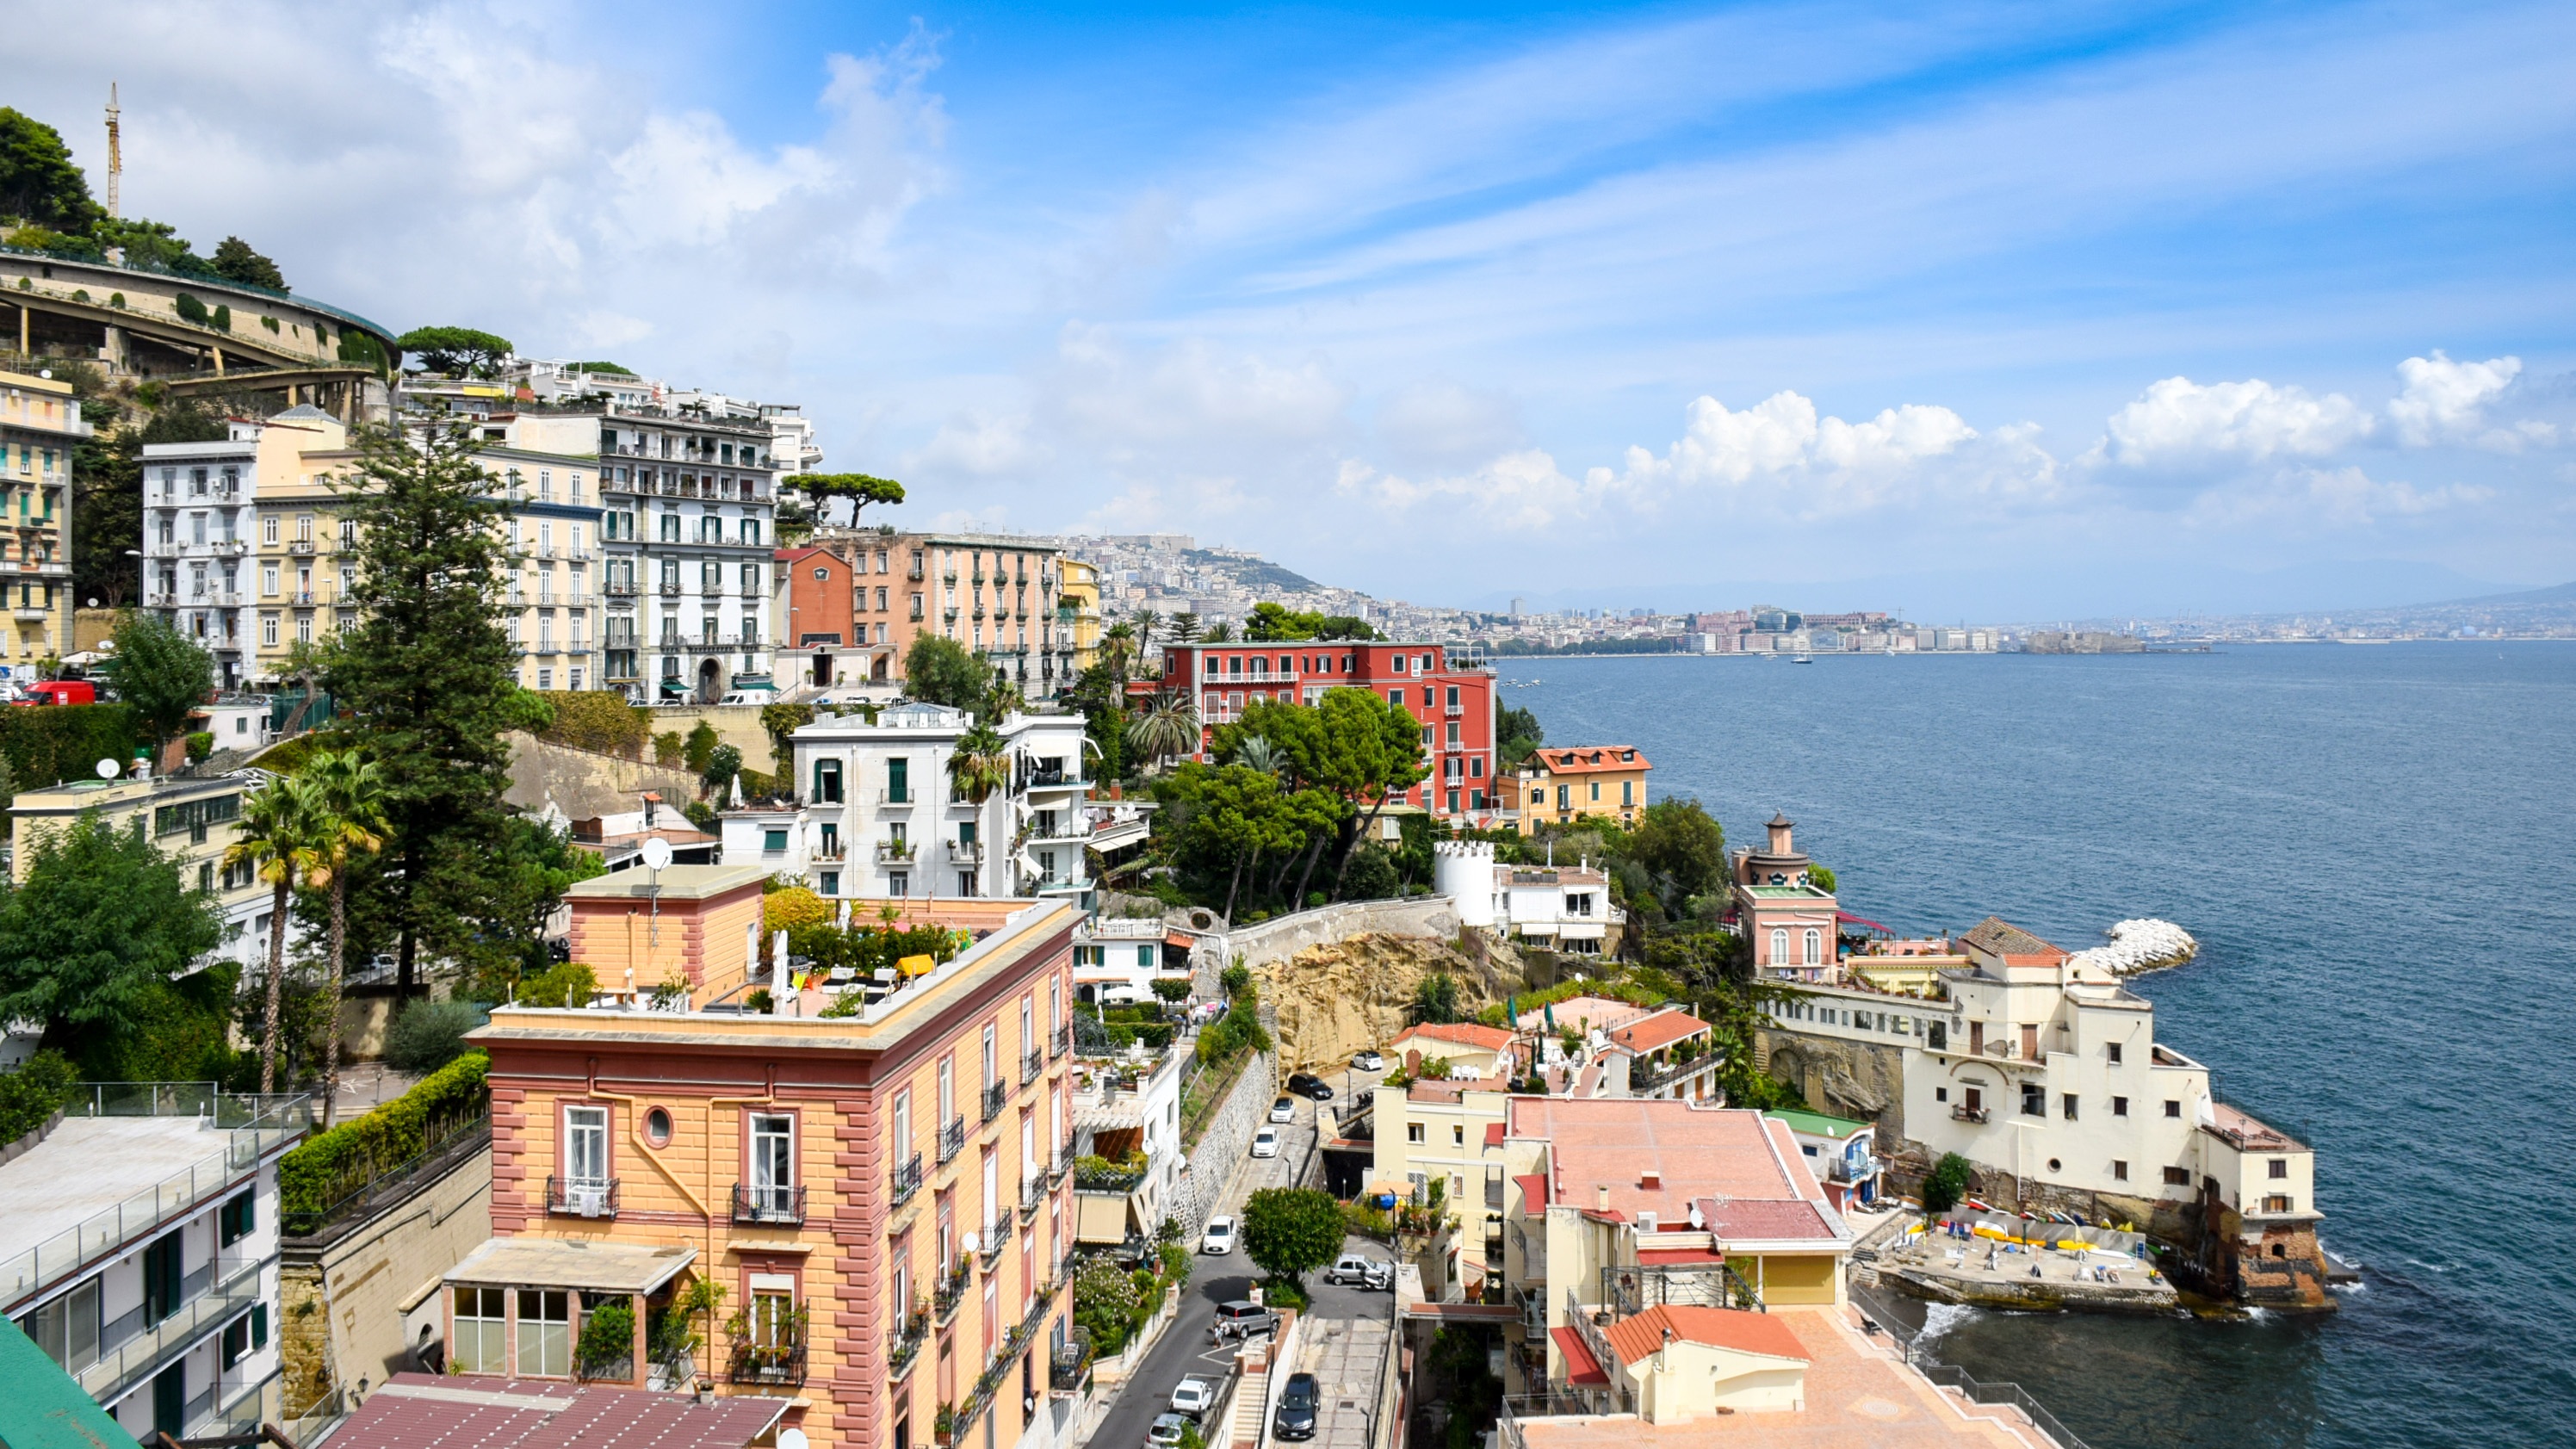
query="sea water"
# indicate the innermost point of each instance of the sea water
(2376, 847)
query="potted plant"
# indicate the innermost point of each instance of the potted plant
(944, 1428)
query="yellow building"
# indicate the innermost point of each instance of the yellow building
(1559, 786)
(191, 819)
(40, 422)
(1078, 608)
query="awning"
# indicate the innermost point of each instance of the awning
(1533, 1194)
(1581, 1369)
(594, 1267)
(1680, 1257)
(1848, 917)
(1181, 939)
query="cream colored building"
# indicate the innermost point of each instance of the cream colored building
(1078, 609)
(40, 423)
(194, 820)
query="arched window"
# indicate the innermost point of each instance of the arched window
(1779, 945)
(1815, 947)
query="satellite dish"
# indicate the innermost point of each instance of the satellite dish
(107, 769)
(966, 1242)
(791, 1439)
(657, 854)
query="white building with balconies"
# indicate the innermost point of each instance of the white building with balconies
(140, 1252)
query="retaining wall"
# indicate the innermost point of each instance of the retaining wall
(1284, 936)
(1227, 1139)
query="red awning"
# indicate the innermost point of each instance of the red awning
(1533, 1194)
(1678, 1257)
(1581, 1369)
(1860, 921)
(1493, 1134)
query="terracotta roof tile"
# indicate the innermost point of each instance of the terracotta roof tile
(1638, 1336)
(1460, 1033)
(2000, 937)
(1658, 1031)
(1590, 759)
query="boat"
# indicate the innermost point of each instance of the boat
(1804, 659)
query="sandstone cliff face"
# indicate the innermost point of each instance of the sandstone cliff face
(1335, 999)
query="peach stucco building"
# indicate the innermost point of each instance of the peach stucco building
(881, 1195)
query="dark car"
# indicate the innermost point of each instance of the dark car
(1308, 1086)
(1296, 1419)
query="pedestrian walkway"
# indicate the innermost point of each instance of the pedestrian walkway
(1346, 1356)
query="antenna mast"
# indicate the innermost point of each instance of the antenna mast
(115, 156)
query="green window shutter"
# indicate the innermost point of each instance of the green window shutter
(259, 1325)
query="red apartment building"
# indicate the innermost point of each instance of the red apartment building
(1452, 698)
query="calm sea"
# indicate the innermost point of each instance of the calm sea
(2377, 849)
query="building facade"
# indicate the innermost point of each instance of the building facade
(1791, 920)
(141, 1250)
(686, 549)
(1449, 693)
(883, 1194)
(1560, 786)
(40, 425)
(192, 819)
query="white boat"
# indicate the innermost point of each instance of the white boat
(1804, 659)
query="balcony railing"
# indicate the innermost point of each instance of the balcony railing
(891, 796)
(952, 1291)
(1060, 1041)
(995, 1237)
(153, 1346)
(769, 1363)
(1844, 1169)
(1033, 1196)
(1971, 1114)
(893, 850)
(1070, 1364)
(966, 852)
(1108, 1179)
(581, 1199)
(995, 1095)
(778, 1203)
(952, 1140)
(905, 1351)
(1031, 1064)
(907, 1180)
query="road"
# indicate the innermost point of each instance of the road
(1184, 1349)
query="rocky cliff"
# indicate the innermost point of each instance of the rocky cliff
(1333, 999)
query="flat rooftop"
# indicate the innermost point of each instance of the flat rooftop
(1860, 1395)
(89, 1165)
(1610, 1148)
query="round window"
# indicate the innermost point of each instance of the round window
(2052, 1165)
(657, 1127)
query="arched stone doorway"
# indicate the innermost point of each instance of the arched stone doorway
(710, 682)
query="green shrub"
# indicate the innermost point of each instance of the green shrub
(31, 1094)
(609, 1335)
(430, 1034)
(329, 1166)
(1948, 1183)
(116, 300)
(1173, 989)
(223, 318)
(567, 983)
(201, 743)
(63, 742)
(190, 309)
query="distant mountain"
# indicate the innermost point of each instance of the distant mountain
(1258, 575)
(2561, 594)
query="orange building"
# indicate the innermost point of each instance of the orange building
(882, 1196)
(1560, 786)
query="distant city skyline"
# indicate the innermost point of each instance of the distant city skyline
(2079, 311)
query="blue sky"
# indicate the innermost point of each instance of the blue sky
(2014, 311)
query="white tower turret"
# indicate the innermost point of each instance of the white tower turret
(1463, 870)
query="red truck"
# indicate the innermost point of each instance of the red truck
(61, 691)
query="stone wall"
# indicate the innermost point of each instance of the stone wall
(736, 725)
(1281, 937)
(1859, 1080)
(1227, 1138)
(344, 1293)
(585, 784)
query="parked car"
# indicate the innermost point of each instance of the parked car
(1297, 1406)
(1369, 1061)
(1307, 1086)
(1265, 1143)
(1241, 1319)
(1361, 1271)
(1284, 1110)
(1219, 1237)
(1166, 1431)
(1193, 1397)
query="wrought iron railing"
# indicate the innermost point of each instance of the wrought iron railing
(905, 1351)
(581, 1199)
(780, 1203)
(996, 1095)
(1061, 1041)
(951, 1291)
(995, 1237)
(1070, 1364)
(907, 1180)
(769, 1363)
(1031, 1063)
(952, 1140)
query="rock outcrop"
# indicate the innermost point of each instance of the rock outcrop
(1331, 1000)
(2145, 944)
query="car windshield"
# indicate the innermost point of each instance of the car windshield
(1301, 1393)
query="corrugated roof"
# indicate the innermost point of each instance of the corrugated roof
(40, 1405)
(1581, 1368)
(424, 1411)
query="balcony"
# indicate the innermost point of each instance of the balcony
(893, 851)
(670, 589)
(31, 616)
(147, 1349)
(1844, 1169)
(952, 1140)
(1031, 1063)
(996, 1096)
(1453, 711)
(581, 1199)
(830, 852)
(907, 1180)
(1033, 1196)
(230, 547)
(1071, 1364)
(965, 852)
(1060, 1041)
(892, 796)
(951, 1292)
(769, 1204)
(619, 588)
(301, 545)
(769, 1363)
(1971, 1114)
(905, 1351)
(994, 1238)
(1044, 779)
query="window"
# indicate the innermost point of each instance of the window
(67, 1328)
(545, 1333)
(1627, 792)
(2034, 1100)
(657, 1127)
(1413, 1132)
(1458, 1136)
(2119, 1106)
(2177, 1177)
(476, 1347)
(1779, 941)
(827, 782)
(268, 579)
(2111, 1053)
(773, 1161)
(2278, 1203)
(1815, 947)
(773, 840)
(2119, 1170)
(2280, 1167)
(586, 1146)
(235, 1220)
(1940, 1094)
(773, 1310)
(2173, 1109)
(2067, 1100)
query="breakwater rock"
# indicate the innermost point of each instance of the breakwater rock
(2141, 945)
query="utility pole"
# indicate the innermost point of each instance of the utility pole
(115, 156)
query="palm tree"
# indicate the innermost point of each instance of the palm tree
(979, 764)
(276, 837)
(1118, 650)
(1258, 753)
(1146, 622)
(349, 793)
(1002, 701)
(1185, 626)
(1167, 724)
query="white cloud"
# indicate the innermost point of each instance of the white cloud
(2311, 500)
(2446, 401)
(2178, 422)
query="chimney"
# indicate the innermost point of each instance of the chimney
(1650, 1180)
(1602, 1196)
(1779, 828)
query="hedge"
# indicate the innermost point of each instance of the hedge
(53, 743)
(33, 1093)
(331, 1165)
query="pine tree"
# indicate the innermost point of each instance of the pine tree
(427, 675)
